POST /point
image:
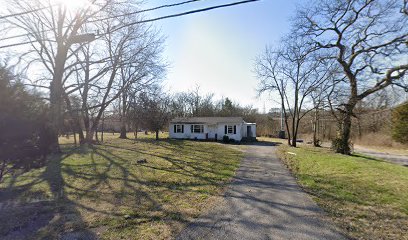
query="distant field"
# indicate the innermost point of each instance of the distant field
(103, 191)
(368, 198)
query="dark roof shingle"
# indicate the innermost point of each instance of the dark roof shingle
(208, 120)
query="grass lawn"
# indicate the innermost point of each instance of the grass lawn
(101, 191)
(366, 197)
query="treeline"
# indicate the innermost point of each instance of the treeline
(337, 55)
(194, 104)
(153, 111)
(24, 135)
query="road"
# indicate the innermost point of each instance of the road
(263, 202)
(390, 157)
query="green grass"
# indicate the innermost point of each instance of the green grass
(367, 197)
(102, 190)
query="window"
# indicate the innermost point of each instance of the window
(197, 128)
(178, 128)
(230, 129)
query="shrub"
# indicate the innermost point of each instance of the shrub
(225, 139)
(337, 145)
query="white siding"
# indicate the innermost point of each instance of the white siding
(172, 134)
(211, 130)
(187, 132)
(245, 129)
(221, 131)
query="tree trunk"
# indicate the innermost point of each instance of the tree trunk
(89, 136)
(344, 144)
(123, 131)
(75, 139)
(81, 136)
(96, 135)
(103, 127)
(294, 134)
(287, 130)
(84, 113)
(286, 119)
(55, 110)
(294, 139)
(157, 135)
(295, 115)
(135, 131)
(123, 114)
(56, 88)
(316, 128)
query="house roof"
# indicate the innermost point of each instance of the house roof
(208, 120)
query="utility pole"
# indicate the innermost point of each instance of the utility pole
(282, 131)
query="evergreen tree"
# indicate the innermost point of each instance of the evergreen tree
(400, 123)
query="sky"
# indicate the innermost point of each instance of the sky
(215, 50)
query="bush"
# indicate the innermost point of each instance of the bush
(225, 139)
(400, 123)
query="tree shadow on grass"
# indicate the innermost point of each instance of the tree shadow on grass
(109, 187)
(41, 216)
(195, 169)
(366, 157)
(140, 199)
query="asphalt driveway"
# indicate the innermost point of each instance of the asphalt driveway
(263, 202)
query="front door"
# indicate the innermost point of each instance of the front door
(249, 132)
(212, 129)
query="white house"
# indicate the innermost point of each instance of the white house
(203, 128)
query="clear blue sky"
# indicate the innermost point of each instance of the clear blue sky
(216, 49)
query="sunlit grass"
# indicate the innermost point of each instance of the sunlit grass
(103, 190)
(365, 196)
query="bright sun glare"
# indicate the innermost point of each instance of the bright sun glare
(73, 4)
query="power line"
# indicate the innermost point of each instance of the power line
(182, 14)
(17, 44)
(23, 13)
(155, 19)
(147, 10)
(22, 35)
(102, 19)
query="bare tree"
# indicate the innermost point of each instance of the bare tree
(54, 32)
(268, 71)
(153, 111)
(367, 38)
(404, 8)
(120, 60)
(179, 105)
(144, 70)
(319, 99)
(295, 72)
